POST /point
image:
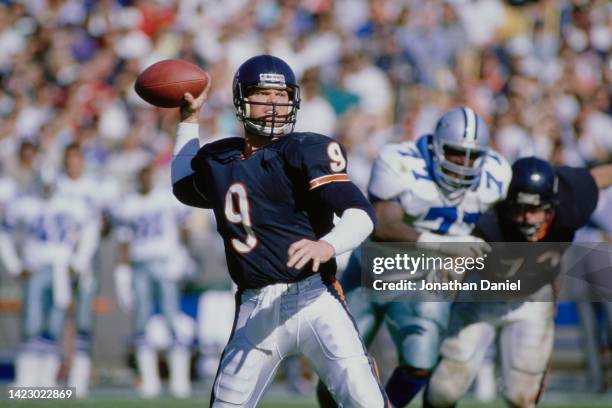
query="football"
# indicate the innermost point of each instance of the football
(164, 83)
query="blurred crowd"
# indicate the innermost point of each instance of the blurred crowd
(371, 71)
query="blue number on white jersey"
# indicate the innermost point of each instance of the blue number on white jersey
(50, 229)
(449, 216)
(148, 226)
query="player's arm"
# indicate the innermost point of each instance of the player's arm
(357, 217)
(391, 226)
(356, 223)
(602, 176)
(323, 163)
(387, 184)
(8, 250)
(9, 255)
(186, 147)
(89, 240)
(124, 234)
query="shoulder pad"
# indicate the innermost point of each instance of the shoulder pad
(301, 139)
(222, 148)
(402, 157)
(578, 196)
(406, 160)
(495, 179)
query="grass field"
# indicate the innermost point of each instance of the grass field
(121, 403)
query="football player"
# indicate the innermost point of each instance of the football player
(274, 193)
(96, 195)
(544, 204)
(150, 230)
(429, 191)
(56, 230)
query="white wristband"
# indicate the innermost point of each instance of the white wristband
(185, 132)
(351, 230)
(185, 148)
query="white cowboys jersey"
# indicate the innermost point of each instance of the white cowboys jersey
(55, 230)
(99, 195)
(403, 172)
(150, 224)
(8, 190)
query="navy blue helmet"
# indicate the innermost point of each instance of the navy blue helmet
(534, 185)
(266, 71)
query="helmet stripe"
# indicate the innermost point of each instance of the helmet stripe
(470, 124)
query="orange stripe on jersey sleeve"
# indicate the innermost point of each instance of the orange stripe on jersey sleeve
(319, 181)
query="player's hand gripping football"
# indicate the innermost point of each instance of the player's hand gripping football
(190, 109)
(305, 250)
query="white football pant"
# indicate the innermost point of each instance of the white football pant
(307, 317)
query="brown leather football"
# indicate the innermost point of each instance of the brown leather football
(164, 83)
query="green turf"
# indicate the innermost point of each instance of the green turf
(110, 403)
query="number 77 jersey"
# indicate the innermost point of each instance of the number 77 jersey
(403, 173)
(265, 202)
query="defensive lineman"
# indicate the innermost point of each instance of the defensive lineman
(274, 194)
(544, 204)
(429, 191)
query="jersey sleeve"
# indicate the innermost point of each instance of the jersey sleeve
(387, 180)
(321, 159)
(578, 196)
(495, 179)
(487, 226)
(190, 191)
(12, 218)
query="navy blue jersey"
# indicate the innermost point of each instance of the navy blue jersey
(267, 201)
(578, 195)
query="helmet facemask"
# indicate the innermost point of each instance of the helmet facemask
(274, 124)
(457, 167)
(532, 199)
(460, 145)
(535, 230)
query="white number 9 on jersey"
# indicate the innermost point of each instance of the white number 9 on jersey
(241, 215)
(338, 162)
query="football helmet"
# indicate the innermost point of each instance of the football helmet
(460, 144)
(534, 185)
(266, 71)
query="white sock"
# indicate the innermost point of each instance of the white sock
(149, 372)
(26, 369)
(80, 373)
(179, 360)
(49, 367)
(485, 389)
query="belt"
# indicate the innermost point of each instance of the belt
(301, 286)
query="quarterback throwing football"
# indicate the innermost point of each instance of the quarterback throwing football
(274, 193)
